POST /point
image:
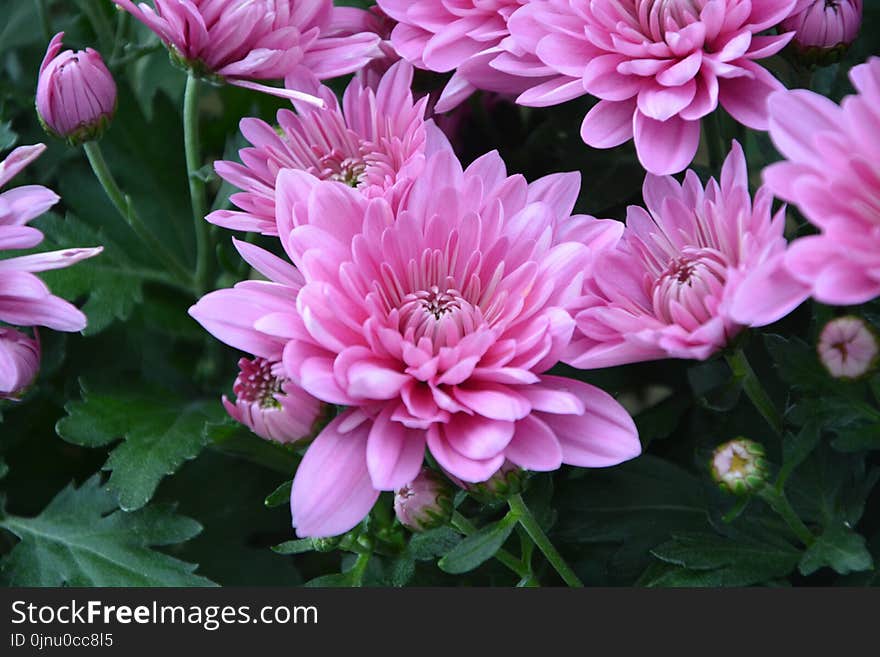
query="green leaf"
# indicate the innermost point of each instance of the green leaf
(709, 560)
(232, 438)
(796, 362)
(279, 496)
(839, 548)
(796, 449)
(403, 569)
(298, 546)
(82, 539)
(478, 547)
(433, 543)
(857, 438)
(160, 433)
(109, 282)
(332, 581)
(8, 137)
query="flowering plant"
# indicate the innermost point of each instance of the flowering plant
(381, 293)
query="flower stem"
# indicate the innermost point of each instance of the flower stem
(360, 567)
(196, 184)
(45, 24)
(466, 527)
(126, 210)
(779, 503)
(533, 529)
(743, 372)
(714, 141)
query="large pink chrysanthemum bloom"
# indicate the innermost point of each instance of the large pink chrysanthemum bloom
(689, 273)
(657, 66)
(24, 299)
(831, 174)
(376, 142)
(462, 36)
(245, 40)
(435, 323)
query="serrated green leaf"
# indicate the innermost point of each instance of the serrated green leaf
(332, 581)
(160, 433)
(236, 440)
(729, 562)
(82, 539)
(109, 282)
(796, 362)
(857, 438)
(839, 548)
(478, 547)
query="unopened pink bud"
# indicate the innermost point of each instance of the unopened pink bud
(271, 405)
(424, 503)
(824, 29)
(76, 95)
(19, 363)
(847, 348)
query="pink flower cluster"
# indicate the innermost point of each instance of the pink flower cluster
(432, 299)
(246, 40)
(24, 299)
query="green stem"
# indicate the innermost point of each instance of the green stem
(779, 503)
(743, 371)
(45, 24)
(533, 529)
(196, 185)
(360, 567)
(714, 141)
(119, 40)
(126, 210)
(466, 527)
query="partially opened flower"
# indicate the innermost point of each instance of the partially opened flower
(19, 362)
(375, 141)
(435, 322)
(425, 502)
(691, 270)
(657, 66)
(76, 95)
(245, 40)
(739, 466)
(848, 348)
(271, 405)
(460, 36)
(831, 175)
(24, 299)
(824, 29)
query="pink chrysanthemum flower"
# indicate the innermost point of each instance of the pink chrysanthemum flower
(271, 405)
(460, 36)
(831, 174)
(19, 362)
(376, 142)
(245, 40)
(824, 24)
(689, 273)
(435, 322)
(848, 348)
(657, 66)
(24, 299)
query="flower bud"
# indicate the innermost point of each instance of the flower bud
(271, 405)
(76, 95)
(19, 363)
(739, 466)
(823, 29)
(424, 503)
(508, 480)
(847, 348)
